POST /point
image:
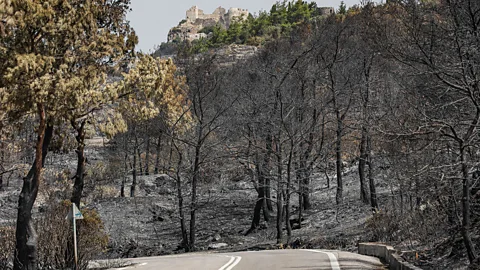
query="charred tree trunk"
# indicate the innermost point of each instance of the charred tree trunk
(361, 166)
(306, 169)
(466, 207)
(304, 181)
(266, 212)
(371, 179)
(183, 227)
(125, 164)
(364, 149)
(266, 166)
(196, 171)
(157, 156)
(268, 195)
(306, 191)
(79, 175)
(2, 161)
(147, 156)
(279, 190)
(139, 153)
(338, 154)
(25, 257)
(257, 211)
(279, 215)
(305, 150)
(122, 187)
(2, 157)
(260, 203)
(287, 193)
(134, 167)
(301, 190)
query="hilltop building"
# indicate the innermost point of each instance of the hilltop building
(196, 20)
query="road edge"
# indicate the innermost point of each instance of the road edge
(387, 254)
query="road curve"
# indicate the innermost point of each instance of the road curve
(268, 259)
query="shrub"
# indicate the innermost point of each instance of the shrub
(415, 225)
(55, 237)
(383, 227)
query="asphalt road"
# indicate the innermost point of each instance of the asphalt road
(271, 259)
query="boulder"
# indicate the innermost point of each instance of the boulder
(162, 180)
(217, 245)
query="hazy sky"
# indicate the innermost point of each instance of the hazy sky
(152, 19)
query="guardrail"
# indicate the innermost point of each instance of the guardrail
(387, 254)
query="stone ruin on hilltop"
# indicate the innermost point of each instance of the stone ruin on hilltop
(196, 20)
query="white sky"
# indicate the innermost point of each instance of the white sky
(152, 19)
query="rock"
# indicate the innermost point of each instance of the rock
(162, 180)
(242, 185)
(164, 183)
(160, 212)
(217, 237)
(165, 191)
(217, 245)
(147, 185)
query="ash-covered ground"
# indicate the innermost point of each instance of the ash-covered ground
(148, 224)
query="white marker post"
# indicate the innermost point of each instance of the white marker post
(75, 214)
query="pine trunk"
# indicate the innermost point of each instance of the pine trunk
(139, 153)
(147, 156)
(79, 175)
(125, 164)
(134, 172)
(157, 156)
(25, 257)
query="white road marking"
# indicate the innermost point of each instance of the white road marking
(234, 260)
(237, 260)
(228, 263)
(331, 257)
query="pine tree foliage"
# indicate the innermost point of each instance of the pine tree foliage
(58, 51)
(56, 56)
(151, 88)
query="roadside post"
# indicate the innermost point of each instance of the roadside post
(75, 214)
